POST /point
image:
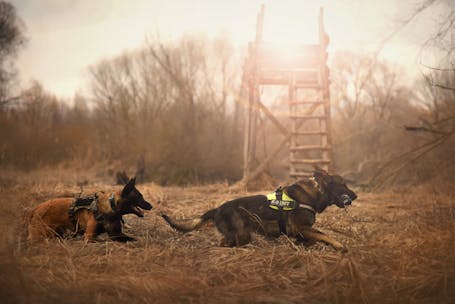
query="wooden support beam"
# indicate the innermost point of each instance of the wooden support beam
(325, 83)
(247, 176)
(250, 126)
(266, 161)
(260, 24)
(272, 118)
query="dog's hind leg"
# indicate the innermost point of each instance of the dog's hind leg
(36, 234)
(233, 229)
(225, 229)
(38, 230)
(243, 238)
(228, 240)
(231, 239)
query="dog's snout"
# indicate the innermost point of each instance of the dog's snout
(353, 196)
(145, 205)
(346, 199)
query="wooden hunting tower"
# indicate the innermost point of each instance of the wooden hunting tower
(306, 125)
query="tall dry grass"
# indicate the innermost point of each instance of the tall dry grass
(401, 250)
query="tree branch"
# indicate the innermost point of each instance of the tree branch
(424, 129)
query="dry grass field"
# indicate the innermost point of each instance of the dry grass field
(401, 250)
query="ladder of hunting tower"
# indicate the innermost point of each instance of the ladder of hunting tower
(309, 112)
(306, 76)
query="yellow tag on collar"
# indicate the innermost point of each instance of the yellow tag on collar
(286, 203)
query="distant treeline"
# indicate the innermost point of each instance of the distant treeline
(166, 110)
(171, 112)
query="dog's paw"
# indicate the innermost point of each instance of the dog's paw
(123, 238)
(340, 247)
(127, 226)
(305, 241)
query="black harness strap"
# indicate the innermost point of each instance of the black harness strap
(282, 222)
(282, 216)
(85, 202)
(279, 194)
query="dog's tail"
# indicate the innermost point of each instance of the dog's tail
(187, 225)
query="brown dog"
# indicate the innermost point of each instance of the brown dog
(91, 215)
(290, 211)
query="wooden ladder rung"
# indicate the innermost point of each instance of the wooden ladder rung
(309, 148)
(310, 133)
(308, 117)
(306, 102)
(315, 86)
(310, 161)
(289, 70)
(300, 174)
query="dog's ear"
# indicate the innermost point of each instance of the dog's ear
(322, 176)
(319, 172)
(129, 186)
(319, 169)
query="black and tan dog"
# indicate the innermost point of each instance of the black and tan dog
(101, 212)
(290, 211)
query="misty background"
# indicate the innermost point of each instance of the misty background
(152, 88)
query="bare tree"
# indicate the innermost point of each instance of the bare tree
(371, 105)
(11, 39)
(35, 131)
(350, 75)
(436, 92)
(434, 128)
(198, 72)
(166, 105)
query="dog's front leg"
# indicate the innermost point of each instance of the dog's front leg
(91, 230)
(301, 240)
(114, 230)
(313, 234)
(122, 238)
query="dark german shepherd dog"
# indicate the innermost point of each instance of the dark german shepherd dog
(92, 215)
(273, 215)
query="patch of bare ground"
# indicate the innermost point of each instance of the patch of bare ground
(401, 250)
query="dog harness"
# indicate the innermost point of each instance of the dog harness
(90, 203)
(282, 202)
(279, 200)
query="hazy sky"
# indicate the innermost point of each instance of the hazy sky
(66, 36)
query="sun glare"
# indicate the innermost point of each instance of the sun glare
(288, 33)
(289, 27)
